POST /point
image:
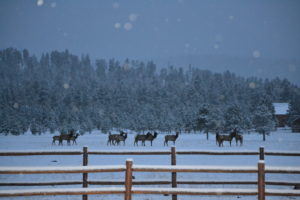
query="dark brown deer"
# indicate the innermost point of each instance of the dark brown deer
(121, 137)
(113, 138)
(221, 138)
(55, 138)
(73, 138)
(141, 138)
(171, 138)
(239, 138)
(151, 137)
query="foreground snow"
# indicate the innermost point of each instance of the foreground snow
(278, 141)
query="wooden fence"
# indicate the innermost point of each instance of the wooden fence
(129, 168)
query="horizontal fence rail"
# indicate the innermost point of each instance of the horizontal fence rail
(151, 182)
(150, 152)
(61, 169)
(64, 191)
(120, 190)
(129, 168)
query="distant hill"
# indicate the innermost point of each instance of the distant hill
(244, 66)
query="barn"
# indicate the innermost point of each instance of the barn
(295, 125)
(281, 113)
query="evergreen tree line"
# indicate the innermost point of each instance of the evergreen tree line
(60, 91)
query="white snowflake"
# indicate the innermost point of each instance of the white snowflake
(53, 4)
(133, 17)
(256, 54)
(128, 26)
(40, 2)
(116, 5)
(231, 17)
(117, 25)
(252, 85)
(216, 46)
(66, 86)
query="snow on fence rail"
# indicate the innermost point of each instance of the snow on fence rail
(148, 152)
(129, 168)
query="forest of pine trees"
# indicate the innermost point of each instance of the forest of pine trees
(60, 91)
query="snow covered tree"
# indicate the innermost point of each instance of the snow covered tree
(263, 120)
(202, 120)
(233, 118)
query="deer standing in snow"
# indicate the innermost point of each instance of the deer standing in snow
(171, 138)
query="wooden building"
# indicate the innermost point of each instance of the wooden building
(281, 114)
(295, 125)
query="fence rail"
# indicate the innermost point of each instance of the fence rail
(150, 152)
(129, 168)
(150, 182)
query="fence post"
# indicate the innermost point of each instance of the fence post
(85, 175)
(128, 179)
(261, 153)
(174, 175)
(261, 180)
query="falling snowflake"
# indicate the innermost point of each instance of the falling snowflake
(252, 85)
(187, 45)
(216, 46)
(132, 17)
(116, 5)
(231, 17)
(128, 26)
(53, 4)
(66, 86)
(126, 67)
(117, 25)
(16, 105)
(40, 2)
(256, 54)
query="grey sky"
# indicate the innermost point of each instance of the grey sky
(153, 29)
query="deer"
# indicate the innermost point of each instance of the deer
(73, 138)
(238, 137)
(121, 137)
(171, 138)
(113, 138)
(140, 138)
(60, 139)
(221, 138)
(54, 138)
(151, 137)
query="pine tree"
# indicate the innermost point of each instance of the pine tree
(263, 120)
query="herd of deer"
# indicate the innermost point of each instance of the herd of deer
(71, 136)
(221, 138)
(116, 139)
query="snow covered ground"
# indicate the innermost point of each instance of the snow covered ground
(281, 140)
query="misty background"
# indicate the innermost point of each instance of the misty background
(249, 38)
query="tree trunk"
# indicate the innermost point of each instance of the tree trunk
(207, 135)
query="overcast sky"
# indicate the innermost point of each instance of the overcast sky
(146, 29)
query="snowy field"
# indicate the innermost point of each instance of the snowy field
(281, 140)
